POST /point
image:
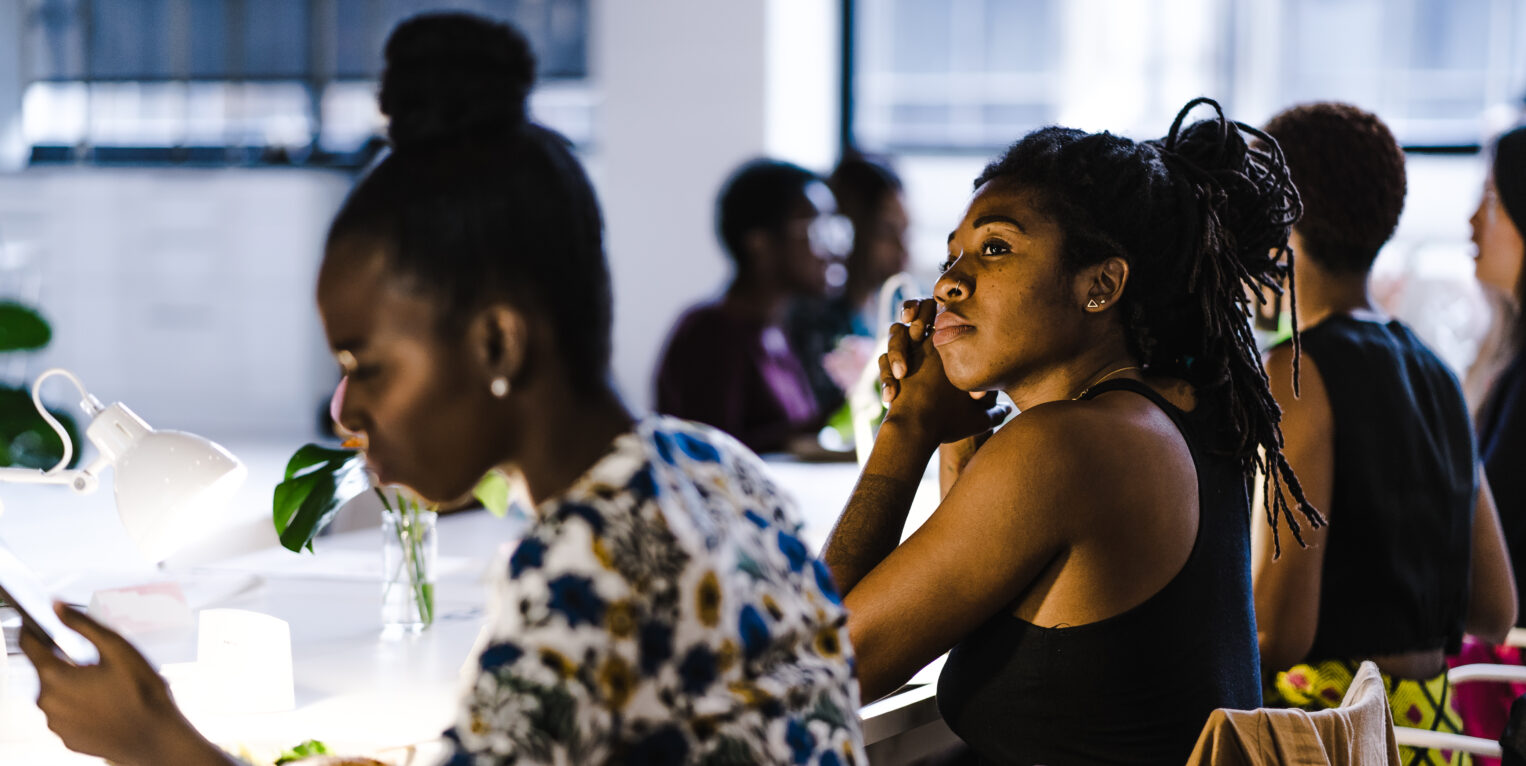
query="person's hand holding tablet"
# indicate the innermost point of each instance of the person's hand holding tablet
(101, 697)
(19, 587)
(118, 708)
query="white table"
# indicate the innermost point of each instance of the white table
(353, 686)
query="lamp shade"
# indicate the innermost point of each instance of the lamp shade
(168, 483)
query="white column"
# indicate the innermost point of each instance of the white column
(689, 90)
(803, 77)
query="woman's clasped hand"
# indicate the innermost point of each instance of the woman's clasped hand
(918, 392)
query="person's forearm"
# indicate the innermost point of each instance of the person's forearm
(182, 744)
(953, 457)
(871, 524)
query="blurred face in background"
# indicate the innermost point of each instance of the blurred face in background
(1500, 247)
(880, 241)
(812, 244)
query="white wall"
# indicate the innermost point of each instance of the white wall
(682, 84)
(185, 293)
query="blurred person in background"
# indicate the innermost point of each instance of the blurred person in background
(659, 608)
(834, 334)
(1502, 413)
(1379, 435)
(728, 363)
(1500, 373)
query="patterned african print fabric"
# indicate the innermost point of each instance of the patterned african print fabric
(663, 610)
(1417, 704)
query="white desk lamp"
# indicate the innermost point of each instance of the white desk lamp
(163, 478)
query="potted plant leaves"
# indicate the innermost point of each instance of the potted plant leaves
(25, 439)
(320, 480)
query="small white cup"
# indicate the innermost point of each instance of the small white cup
(243, 662)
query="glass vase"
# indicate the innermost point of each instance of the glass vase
(409, 548)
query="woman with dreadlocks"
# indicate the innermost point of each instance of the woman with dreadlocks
(1379, 434)
(1089, 564)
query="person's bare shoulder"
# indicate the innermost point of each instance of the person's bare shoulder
(1049, 452)
(1298, 387)
(1088, 434)
(1086, 455)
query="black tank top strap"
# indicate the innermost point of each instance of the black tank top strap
(1127, 384)
(1182, 418)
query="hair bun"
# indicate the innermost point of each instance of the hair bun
(1244, 189)
(453, 78)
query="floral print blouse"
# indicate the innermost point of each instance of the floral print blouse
(663, 610)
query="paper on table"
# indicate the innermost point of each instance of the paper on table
(202, 589)
(143, 608)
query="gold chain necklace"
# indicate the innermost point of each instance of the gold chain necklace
(1099, 381)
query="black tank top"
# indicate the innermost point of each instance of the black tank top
(1502, 448)
(1397, 550)
(1136, 687)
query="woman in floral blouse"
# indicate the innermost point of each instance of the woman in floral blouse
(661, 608)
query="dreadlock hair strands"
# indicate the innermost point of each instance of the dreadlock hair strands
(1200, 215)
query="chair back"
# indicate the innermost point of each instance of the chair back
(1358, 733)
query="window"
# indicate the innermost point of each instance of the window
(1430, 68)
(943, 85)
(960, 74)
(221, 81)
(974, 75)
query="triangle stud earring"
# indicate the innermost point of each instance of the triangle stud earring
(1091, 304)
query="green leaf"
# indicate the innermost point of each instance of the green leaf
(22, 328)
(313, 455)
(307, 749)
(314, 511)
(426, 602)
(493, 493)
(386, 504)
(319, 480)
(289, 496)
